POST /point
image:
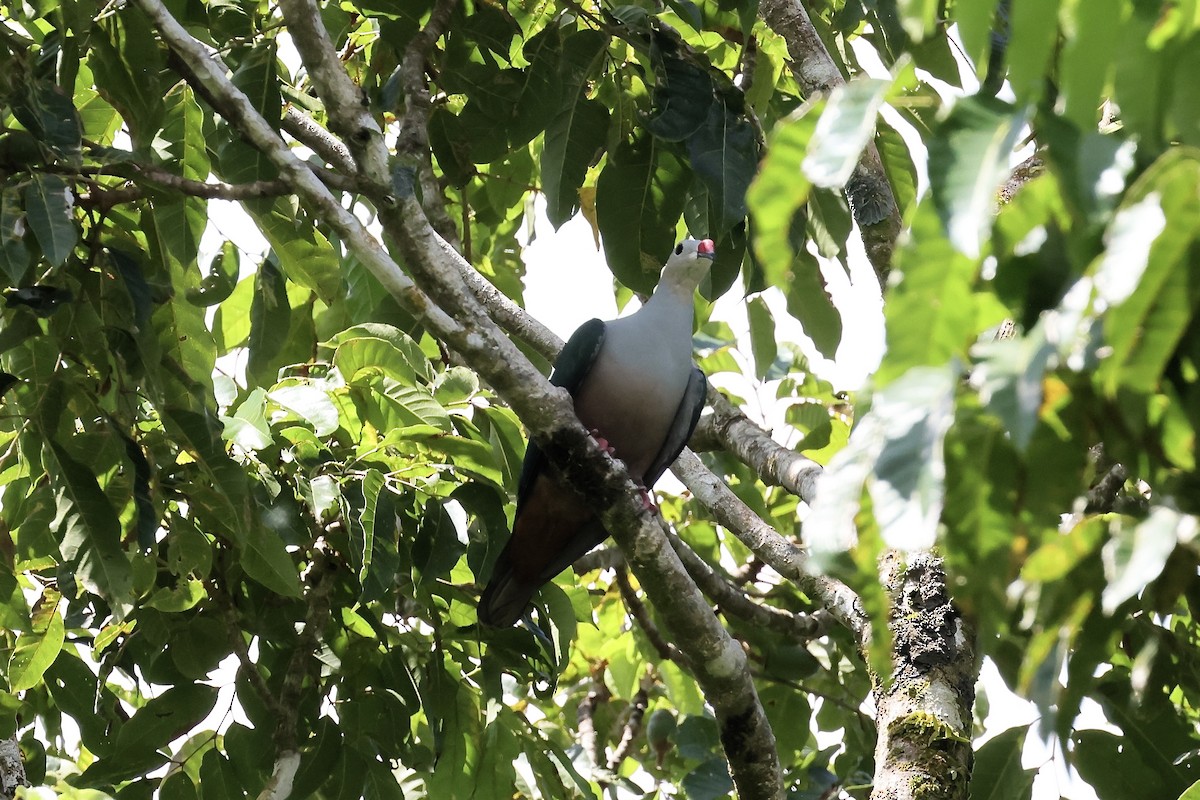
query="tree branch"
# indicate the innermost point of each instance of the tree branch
(637, 610)
(868, 189)
(348, 111)
(778, 552)
(734, 602)
(413, 141)
(585, 715)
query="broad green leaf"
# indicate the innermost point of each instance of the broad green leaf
(248, 427)
(762, 336)
(305, 254)
(723, 152)
(918, 17)
(418, 364)
(14, 255)
(975, 26)
(844, 128)
(1192, 793)
(577, 132)
(257, 76)
(127, 60)
(808, 300)
(1157, 292)
(898, 164)
(683, 97)
(968, 160)
(708, 781)
(998, 774)
(437, 547)
(895, 452)
(218, 780)
(777, 196)
(309, 401)
(89, 531)
(1135, 557)
(930, 313)
(222, 276)
(48, 113)
(1008, 375)
(33, 655)
(1092, 31)
(1054, 560)
(639, 198)
(1034, 33)
(572, 141)
(48, 203)
(267, 561)
(373, 484)
(270, 316)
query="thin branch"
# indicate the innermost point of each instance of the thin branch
(413, 140)
(869, 192)
(778, 552)
(732, 601)
(633, 724)
(585, 716)
(637, 610)
(774, 463)
(305, 130)
(345, 105)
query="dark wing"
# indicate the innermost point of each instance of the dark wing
(686, 417)
(570, 368)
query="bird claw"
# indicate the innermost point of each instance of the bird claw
(602, 443)
(647, 501)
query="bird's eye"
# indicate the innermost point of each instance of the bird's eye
(679, 249)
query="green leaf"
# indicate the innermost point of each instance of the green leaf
(844, 128)
(1034, 33)
(968, 160)
(683, 97)
(723, 152)
(918, 17)
(14, 255)
(1009, 377)
(373, 485)
(777, 197)
(1088, 56)
(218, 284)
(89, 531)
(309, 401)
(577, 132)
(1145, 272)
(248, 427)
(1134, 558)
(218, 781)
(33, 655)
(895, 451)
(48, 202)
(998, 774)
(809, 302)
(762, 336)
(898, 164)
(305, 255)
(127, 61)
(708, 781)
(1192, 792)
(436, 548)
(930, 314)
(270, 314)
(572, 141)
(48, 114)
(639, 198)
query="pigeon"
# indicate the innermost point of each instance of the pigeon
(638, 391)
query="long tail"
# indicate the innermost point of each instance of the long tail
(504, 599)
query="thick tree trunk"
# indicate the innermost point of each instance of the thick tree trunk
(923, 711)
